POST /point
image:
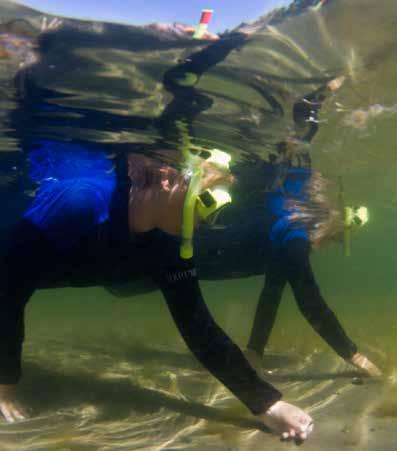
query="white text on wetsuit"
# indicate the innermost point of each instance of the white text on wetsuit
(181, 275)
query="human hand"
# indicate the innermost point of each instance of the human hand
(291, 422)
(9, 406)
(336, 83)
(366, 367)
(47, 26)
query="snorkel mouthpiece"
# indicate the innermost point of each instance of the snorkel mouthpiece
(207, 202)
(354, 219)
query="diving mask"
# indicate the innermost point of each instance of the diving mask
(211, 202)
(356, 217)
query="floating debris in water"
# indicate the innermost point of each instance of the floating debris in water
(359, 118)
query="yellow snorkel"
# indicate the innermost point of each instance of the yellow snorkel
(195, 173)
(353, 219)
(206, 203)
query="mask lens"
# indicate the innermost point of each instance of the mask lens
(357, 220)
(207, 199)
(213, 218)
(205, 154)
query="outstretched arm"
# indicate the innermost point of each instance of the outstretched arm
(209, 343)
(27, 256)
(316, 311)
(217, 352)
(309, 299)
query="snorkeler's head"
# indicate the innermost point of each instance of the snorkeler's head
(325, 220)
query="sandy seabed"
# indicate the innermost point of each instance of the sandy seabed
(94, 397)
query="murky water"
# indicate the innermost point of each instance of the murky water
(111, 373)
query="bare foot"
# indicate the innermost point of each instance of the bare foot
(289, 421)
(366, 367)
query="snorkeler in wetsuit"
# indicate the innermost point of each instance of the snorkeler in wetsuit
(187, 103)
(111, 223)
(96, 220)
(299, 217)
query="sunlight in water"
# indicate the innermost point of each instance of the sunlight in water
(307, 87)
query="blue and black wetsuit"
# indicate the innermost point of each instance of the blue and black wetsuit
(288, 259)
(75, 232)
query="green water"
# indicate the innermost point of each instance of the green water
(102, 373)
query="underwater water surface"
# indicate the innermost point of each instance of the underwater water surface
(104, 372)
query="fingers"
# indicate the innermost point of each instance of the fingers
(20, 413)
(12, 412)
(289, 421)
(43, 23)
(53, 25)
(374, 370)
(297, 435)
(362, 362)
(5, 410)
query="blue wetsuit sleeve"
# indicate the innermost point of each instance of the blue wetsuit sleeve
(207, 341)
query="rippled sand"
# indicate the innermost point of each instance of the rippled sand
(151, 398)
